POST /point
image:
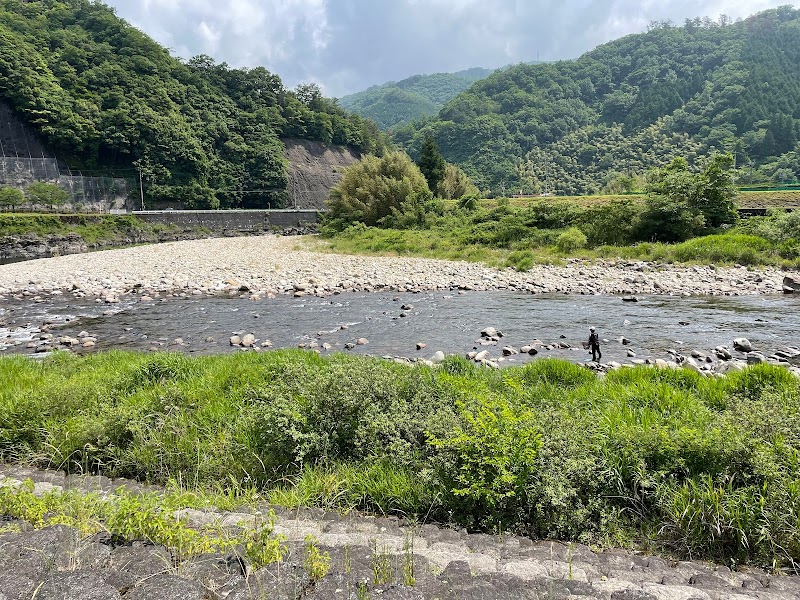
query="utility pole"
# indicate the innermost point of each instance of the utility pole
(141, 187)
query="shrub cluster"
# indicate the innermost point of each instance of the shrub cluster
(704, 467)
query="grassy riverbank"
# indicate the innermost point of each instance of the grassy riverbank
(540, 247)
(504, 234)
(655, 458)
(93, 229)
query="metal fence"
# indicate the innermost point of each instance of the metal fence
(86, 193)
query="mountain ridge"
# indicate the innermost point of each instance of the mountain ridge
(418, 96)
(582, 125)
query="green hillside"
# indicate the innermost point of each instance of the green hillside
(400, 102)
(104, 95)
(573, 127)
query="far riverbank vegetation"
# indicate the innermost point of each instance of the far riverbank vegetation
(385, 206)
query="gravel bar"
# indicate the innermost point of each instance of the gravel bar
(272, 264)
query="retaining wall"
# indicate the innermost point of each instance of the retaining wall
(231, 220)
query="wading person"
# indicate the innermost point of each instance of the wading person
(594, 345)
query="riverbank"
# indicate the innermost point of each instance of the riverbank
(657, 459)
(316, 554)
(271, 265)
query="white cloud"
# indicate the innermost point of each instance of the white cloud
(347, 45)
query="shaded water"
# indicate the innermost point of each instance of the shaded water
(445, 321)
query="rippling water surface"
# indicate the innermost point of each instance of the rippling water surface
(450, 322)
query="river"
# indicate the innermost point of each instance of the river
(450, 322)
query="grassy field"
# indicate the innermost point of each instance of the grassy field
(658, 459)
(758, 199)
(539, 247)
(94, 229)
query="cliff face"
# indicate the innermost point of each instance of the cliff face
(313, 170)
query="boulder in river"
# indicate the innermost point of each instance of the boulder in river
(235, 340)
(722, 353)
(481, 356)
(755, 358)
(742, 345)
(491, 332)
(437, 357)
(249, 340)
(362, 341)
(791, 285)
(630, 299)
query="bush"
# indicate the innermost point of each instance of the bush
(11, 197)
(521, 260)
(668, 220)
(571, 240)
(46, 194)
(455, 184)
(372, 188)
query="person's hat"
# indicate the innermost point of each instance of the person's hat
(591, 328)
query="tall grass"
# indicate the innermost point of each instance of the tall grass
(93, 229)
(524, 238)
(703, 467)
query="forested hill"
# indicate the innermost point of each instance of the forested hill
(400, 102)
(576, 126)
(104, 95)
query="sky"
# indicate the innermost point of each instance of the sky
(348, 45)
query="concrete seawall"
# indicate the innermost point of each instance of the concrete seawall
(232, 220)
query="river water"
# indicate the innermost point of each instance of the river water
(450, 322)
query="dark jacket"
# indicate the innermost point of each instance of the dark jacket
(594, 339)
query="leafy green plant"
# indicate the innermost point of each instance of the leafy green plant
(490, 456)
(316, 563)
(381, 560)
(571, 240)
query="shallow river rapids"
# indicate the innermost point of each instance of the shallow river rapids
(450, 322)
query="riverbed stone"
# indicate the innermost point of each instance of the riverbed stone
(742, 345)
(166, 587)
(76, 585)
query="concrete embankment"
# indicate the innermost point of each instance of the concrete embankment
(368, 558)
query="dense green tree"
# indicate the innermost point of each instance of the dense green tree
(46, 194)
(709, 194)
(11, 197)
(431, 163)
(371, 189)
(105, 96)
(455, 184)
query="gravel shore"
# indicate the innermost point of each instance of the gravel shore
(279, 265)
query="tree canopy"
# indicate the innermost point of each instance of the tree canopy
(103, 95)
(376, 187)
(574, 127)
(401, 102)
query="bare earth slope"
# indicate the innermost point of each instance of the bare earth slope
(314, 169)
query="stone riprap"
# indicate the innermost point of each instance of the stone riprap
(370, 558)
(270, 264)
